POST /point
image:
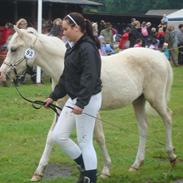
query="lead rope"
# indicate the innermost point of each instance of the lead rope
(37, 104)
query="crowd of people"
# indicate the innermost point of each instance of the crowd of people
(163, 37)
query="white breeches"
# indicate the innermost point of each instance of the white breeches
(84, 128)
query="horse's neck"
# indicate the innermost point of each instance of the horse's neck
(52, 64)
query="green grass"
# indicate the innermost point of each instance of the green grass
(23, 132)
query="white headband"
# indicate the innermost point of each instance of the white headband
(72, 20)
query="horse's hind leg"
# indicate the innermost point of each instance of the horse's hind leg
(100, 138)
(38, 174)
(139, 108)
(161, 107)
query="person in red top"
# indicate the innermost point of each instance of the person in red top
(161, 37)
(6, 32)
(124, 40)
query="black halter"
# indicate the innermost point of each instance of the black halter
(13, 67)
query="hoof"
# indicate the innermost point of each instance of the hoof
(36, 177)
(173, 162)
(132, 169)
(105, 176)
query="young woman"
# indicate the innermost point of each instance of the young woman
(22, 23)
(81, 82)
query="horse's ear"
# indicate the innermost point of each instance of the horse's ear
(17, 30)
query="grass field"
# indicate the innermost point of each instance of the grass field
(23, 133)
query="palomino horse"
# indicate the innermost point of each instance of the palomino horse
(135, 76)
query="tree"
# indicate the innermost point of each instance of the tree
(136, 6)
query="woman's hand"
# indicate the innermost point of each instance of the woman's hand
(47, 102)
(77, 110)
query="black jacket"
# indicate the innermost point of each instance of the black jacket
(81, 75)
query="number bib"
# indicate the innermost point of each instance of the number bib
(29, 53)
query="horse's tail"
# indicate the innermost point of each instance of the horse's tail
(169, 81)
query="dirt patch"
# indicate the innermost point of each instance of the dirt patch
(54, 171)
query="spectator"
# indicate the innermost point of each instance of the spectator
(135, 33)
(107, 33)
(95, 28)
(133, 20)
(180, 44)
(22, 23)
(105, 49)
(144, 32)
(56, 29)
(148, 25)
(124, 40)
(164, 20)
(46, 26)
(171, 39)
(152, 39)
(166, 51)
(153, 44)
(102, 25)
(138, 43)
(162, 25)
(161, 37)
(7, 32)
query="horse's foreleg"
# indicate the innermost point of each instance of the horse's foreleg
(139, 108)
(38, 174)
(100, 138)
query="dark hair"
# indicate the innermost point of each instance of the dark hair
(77, 19)
(180, 26)
(9, 25)
(138, 40)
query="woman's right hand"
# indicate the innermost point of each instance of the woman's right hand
(47, 102)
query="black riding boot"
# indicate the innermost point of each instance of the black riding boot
(80, 166)
(90, 176)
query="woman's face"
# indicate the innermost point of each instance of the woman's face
(69, 31)
(22, 25)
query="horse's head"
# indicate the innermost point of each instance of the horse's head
(20, 53)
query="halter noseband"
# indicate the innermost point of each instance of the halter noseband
(13, 65)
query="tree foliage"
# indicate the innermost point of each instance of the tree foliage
(136, 6)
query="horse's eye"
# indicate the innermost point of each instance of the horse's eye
(13, 49)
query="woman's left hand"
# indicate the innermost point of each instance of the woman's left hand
(77, 110)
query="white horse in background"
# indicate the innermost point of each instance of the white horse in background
(133, 76)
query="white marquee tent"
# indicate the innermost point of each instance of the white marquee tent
(178, 15)
(176, 18)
